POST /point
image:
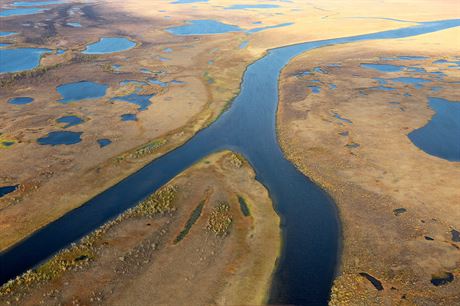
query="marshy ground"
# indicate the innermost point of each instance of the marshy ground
(399, 205)
(183, 83)
(210, 236)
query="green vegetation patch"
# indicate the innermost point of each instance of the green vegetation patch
(193, 218)
(236, 160)
(147, 149)
(244, 206)
(220, 219)
(158, 203)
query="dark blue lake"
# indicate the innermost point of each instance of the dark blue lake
(72, 92)
(441, 135)
(60, 138)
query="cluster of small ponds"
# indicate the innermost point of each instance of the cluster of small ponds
(86, 90)
(439, 137)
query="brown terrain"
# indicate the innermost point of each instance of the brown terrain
(210, 236)
(54, 180)
(399, 206)
(123, 259)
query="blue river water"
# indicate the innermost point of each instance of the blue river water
(309, 222)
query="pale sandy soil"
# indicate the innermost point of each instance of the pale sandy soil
(136, 260)
(385, 172)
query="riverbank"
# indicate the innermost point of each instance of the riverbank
(194, 78)
(197, 240)
(346, 126)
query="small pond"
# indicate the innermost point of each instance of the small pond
(70, 121)
(128, 117)
(38, 3)
(60, 138)
(108, 45)
(251, 6)
(187, 1)
(4, 34)
(82, 90)
(143, 101)
(203, 27)
(74, 24)
(4, 190)
(383, 67)
(20, 100)
(104, 142)
(20, 11)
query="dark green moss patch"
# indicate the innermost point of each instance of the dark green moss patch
(193, 218)
(244, 207)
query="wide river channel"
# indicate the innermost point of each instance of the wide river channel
(310, 225)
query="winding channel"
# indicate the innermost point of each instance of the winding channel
(310, 226)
